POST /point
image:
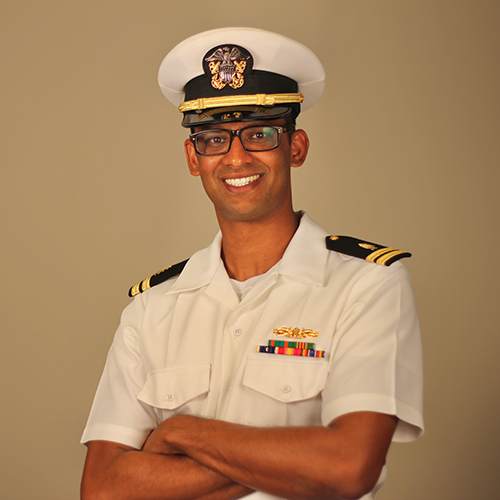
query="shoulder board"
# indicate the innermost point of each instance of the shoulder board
(365, 250)
(156, 279)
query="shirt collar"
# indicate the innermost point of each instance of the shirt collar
(304, 259)
(200, 268)
(306, 255)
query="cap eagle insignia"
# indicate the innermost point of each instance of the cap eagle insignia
(227, 65)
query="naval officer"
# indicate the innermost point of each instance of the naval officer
(281, 361)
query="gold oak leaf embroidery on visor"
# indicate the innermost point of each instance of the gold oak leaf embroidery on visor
(295, 333)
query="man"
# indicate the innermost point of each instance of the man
(279, 361)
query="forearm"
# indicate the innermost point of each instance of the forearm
(271, 460)
(112, 471)
(342, 461)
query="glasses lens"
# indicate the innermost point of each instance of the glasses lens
(259, 138)
(213, 142)
(218, 142)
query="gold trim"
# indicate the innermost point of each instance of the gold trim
(239, 100)
(146, 284)
(389, 256)
(367, 246)
(378, 253)
(295, 333)
(236, 81)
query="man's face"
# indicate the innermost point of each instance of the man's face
(246, 185)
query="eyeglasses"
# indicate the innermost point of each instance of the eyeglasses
(214, 142)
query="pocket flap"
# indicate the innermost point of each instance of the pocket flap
(286, 380)
(173, 387)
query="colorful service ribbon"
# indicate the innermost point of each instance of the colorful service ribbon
(291, 351)
(290, 343)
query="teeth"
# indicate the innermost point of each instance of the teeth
(243, 181)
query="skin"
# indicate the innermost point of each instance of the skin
(189, 457)
(116, 471)
(343, 460)
(257, 220)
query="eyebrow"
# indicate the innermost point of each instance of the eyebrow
(262, 123)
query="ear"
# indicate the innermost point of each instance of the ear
(191, 157)
(299, 148)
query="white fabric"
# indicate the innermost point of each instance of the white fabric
(271, 52)
(243, 287)
(188, 345)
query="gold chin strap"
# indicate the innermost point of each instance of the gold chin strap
(240, 100)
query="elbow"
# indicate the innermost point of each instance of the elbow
(91, 490)
(87, 493)
(357, 481)
(353, 491)
(93, 495)
(100, 478)
(347, 480)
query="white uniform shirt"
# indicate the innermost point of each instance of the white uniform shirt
(188, 345)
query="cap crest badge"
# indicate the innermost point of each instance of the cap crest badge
(227, 65)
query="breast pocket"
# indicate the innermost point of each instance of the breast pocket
(179, 389)
(284, 391)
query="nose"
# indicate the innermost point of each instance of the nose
(237, 154)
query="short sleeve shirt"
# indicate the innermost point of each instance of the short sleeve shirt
(189, 345)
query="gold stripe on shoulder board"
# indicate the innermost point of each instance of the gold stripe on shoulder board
(386, 257)
(144, 285)
(135, 290)
(378, 253)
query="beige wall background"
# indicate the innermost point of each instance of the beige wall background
(95, 196)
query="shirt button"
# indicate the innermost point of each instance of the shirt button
(237, 332)
(169, 397)
(286, 388)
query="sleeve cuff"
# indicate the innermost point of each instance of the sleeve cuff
(115, 433)
(410, 425)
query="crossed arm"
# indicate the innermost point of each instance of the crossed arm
(189, 457)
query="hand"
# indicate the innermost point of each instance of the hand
(163, 439)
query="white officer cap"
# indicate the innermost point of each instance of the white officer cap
(240, 74)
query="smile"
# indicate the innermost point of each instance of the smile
(243, 181)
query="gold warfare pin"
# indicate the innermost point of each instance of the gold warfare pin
(295, 333)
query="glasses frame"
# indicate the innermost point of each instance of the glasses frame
(237, 133)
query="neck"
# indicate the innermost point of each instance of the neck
(252, 248)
